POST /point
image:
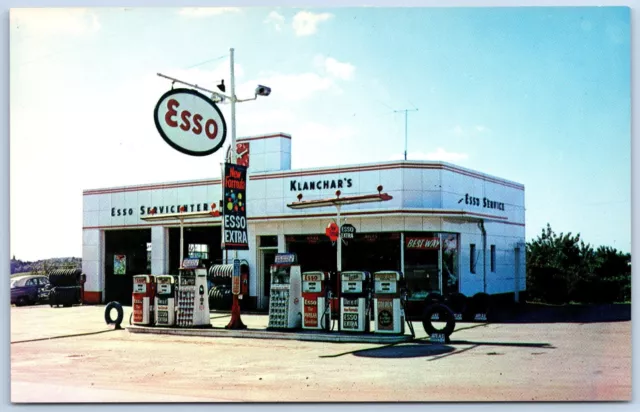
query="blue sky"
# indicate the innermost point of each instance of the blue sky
(536, 95)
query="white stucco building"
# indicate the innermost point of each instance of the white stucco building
(446, 228)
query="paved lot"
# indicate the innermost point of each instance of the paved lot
(86, 361)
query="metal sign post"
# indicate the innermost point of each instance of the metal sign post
(235, 279)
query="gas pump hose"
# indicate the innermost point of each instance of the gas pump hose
(324, 313)
(406, 319)
(326, 307)
(367, 313)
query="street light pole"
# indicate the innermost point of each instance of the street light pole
(233, 108)
(235, 322)
(339, 248)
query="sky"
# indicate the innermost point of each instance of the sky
(540, 96)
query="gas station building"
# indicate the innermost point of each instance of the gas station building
(447, 228)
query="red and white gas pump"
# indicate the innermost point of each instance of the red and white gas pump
(144, 290)
(316, 301)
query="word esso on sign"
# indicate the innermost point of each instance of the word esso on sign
(190, 122)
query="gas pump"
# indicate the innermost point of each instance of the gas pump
(354, 301)
(165, 303)
(285, 311)
(143, 292)
(316, 296)
(193, 299)
(386, 302)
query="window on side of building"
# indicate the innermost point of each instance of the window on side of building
(198, 251)
(472, 258)
(493, 258)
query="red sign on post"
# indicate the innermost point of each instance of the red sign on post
(332, 231)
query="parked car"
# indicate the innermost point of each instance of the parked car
(29, 290)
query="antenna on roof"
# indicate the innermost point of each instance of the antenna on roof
(406, 111)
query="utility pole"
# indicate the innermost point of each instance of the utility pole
(406, 112)
(233, 111)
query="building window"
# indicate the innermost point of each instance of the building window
(493, 258)
(430, 261)
(198, 251)
(148, 257)
(472, 258)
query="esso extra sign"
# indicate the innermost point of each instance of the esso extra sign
(190, 122)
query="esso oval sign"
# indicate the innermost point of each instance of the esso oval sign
(190, 122)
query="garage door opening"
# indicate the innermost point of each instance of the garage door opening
(125, 256)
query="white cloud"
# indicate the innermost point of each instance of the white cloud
(47, 21)
(207, 11)
(341, 70)
(276, 19)
(481, 129)
(306, 23)
(457, 130)
(439, 154)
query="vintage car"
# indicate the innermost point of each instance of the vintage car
(29, 290)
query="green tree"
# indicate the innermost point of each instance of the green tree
(561, 268)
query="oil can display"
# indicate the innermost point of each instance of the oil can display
(193, 300)
(285, 310)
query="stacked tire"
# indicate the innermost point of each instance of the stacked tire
(220, 297)
(65, 287)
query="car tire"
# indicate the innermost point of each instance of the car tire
(22, 301)
(457, 302)
(444, 313)
(481, 303)
(107, 314)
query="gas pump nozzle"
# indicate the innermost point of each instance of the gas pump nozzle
(327, 307)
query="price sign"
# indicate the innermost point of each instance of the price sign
(285, 258)
(190, 263)
(347, 231)
(235, 281)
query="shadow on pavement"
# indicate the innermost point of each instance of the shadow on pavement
(419, 348)
(411, 350)
(540, 313)
(510, 344)
(73, 335)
